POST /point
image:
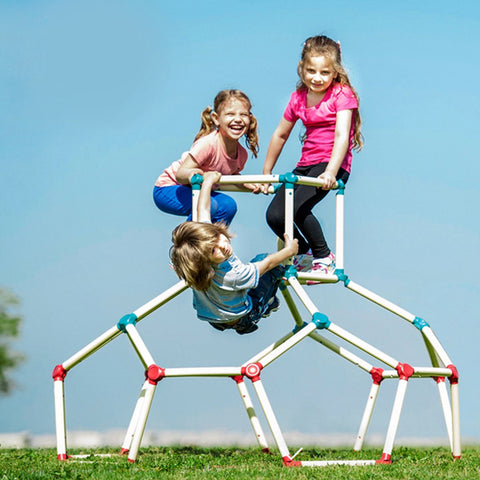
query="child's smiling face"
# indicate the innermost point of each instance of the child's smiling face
(318, 73)
(233, 118)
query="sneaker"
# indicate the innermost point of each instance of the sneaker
(272, 306)
(322, 267)
(303, 261)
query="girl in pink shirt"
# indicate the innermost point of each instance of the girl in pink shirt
(327, 105)
(216, 148)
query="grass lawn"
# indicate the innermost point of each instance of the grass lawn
(236, 463)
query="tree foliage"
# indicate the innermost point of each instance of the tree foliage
(9, 331)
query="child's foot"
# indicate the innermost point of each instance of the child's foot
(272, 306)
(303, 261)
(325, 266)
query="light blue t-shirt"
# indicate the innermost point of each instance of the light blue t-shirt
(227, 298)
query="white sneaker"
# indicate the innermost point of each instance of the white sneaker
(325, 266)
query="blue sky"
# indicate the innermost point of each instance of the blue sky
(99, 96)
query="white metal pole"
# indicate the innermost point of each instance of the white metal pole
(340, 232)
(440, 351)
(292, 307)
(457, 449)
(92, 347)
(60, 425)
(139, 345)
(127, 442)
(394, 419)
(289, 189)
(203, 371)
(446, 408)
(259, 356)
(355, 287)
(302, 295)
(362, 345)
(271, 419)
(160, 300)
(342, 352)
(248, 404)
(241, 179)
(367, 415)
(142, 421)
(288, 344)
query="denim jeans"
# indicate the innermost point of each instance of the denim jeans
(261, 295)
(177, 200)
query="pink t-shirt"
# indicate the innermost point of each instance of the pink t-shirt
(210, 155)
(320, 121)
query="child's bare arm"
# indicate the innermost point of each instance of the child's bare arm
(340, 148)
(274, 259)
(204, 201)
(187, 170)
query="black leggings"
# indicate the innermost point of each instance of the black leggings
(306, 226)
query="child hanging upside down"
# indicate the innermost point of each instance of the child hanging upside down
(227, 293)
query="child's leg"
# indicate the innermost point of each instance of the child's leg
(267, 286)
(305, 198)
(175, 199)
(223, 208)
(275, 216)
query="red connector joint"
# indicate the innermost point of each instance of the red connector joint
(252, 371)
(377, 375)
(154, 374)
(288, 462)
(237, 378)
(454, 376)
(405, 371)
(59, 373)
(386, 458)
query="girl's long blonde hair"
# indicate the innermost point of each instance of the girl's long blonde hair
(325, 46)
(208, 126)
(192, 249)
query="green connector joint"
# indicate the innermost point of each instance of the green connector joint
(420, 323)
(196, 181)
(130, 319)
(320, 320)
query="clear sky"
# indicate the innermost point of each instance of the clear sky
(97, 97)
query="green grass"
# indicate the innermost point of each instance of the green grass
(236, 463)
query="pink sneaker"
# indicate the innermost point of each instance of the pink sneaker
(303, 261)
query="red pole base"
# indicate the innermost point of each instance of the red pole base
(386, 459)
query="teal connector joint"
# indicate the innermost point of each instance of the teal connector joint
(291, 271)
(340, 273)
(196, 181)
(298, 328)
(321, 320)
(420, 323)
(340, 187)
(288, 178)
(130, 319)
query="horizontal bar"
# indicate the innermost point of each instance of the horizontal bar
(203, 372)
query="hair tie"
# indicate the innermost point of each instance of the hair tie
(339, 46)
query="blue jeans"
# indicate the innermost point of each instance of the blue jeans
(177, 200)
(261, 295)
